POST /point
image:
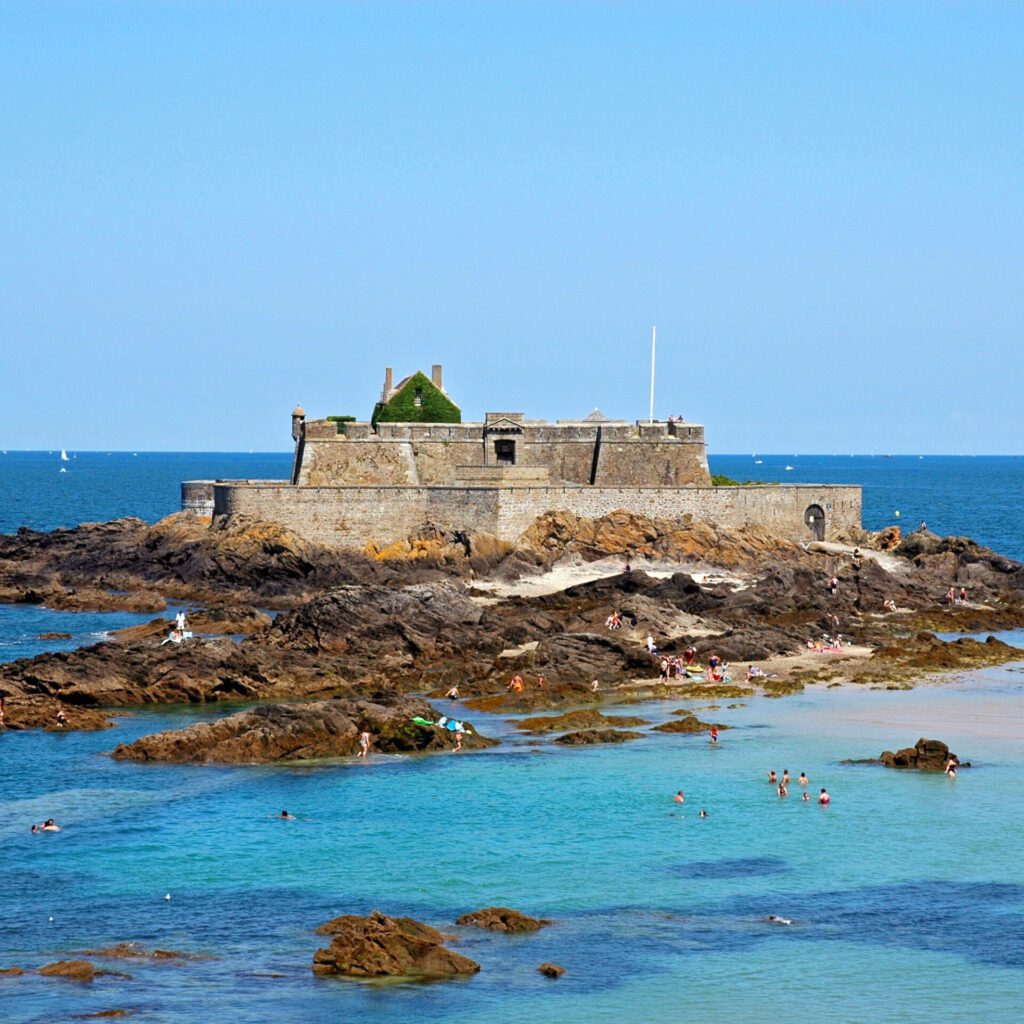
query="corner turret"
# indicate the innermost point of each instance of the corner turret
(298, 418)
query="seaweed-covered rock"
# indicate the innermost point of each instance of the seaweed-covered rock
(688, 723)
(587, 736)
(378, 946)
(502, 919)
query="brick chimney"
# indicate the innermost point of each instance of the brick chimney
(387, 384)
(435, 376)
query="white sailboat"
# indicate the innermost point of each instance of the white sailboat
(63, 455)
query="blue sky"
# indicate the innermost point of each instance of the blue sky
(215, 210)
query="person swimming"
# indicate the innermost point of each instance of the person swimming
(679, 798)
(803, 780)
(772, 777)
(50, 826)
(775, 919)
(703, 814)
(806, 796)
(783, 791)
(286, 816)
(823, 798)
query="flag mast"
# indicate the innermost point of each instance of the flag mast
(654, 341)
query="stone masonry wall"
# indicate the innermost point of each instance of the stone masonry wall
(350, 517)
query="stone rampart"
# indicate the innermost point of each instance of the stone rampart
(351, 517)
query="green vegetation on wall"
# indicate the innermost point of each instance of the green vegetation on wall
(721, 480)
(433, 405)
(340, 421)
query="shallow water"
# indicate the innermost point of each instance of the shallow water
(907, 892)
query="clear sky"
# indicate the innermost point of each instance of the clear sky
(212, 211)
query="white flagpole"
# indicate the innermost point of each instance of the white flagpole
(654, 342)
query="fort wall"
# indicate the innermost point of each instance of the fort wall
(351, 517)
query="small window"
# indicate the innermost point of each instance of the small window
(418, 400)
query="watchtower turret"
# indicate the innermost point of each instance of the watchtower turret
(298, 418)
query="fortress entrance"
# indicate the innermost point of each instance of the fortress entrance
(814, 517)
(505, 452)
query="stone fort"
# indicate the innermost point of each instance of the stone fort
(416, 464)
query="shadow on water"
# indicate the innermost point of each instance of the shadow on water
(740, 867)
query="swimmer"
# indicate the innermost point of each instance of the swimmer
(806, 797)
(772, 777)
(775, 919)
(285, 816)
(714, 735)
(785, 776)
(703, 814)
(35, 829)
(458, 740)
(951, 769)
(803, 780)
(823, 798)
(679, 798)
(453, 693)
(783, 791)
(50, 826)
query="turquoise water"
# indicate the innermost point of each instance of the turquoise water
(907, 894)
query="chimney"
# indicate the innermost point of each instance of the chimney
(387, 384)
(435, 376)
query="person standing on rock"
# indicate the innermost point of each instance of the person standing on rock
(833, 586)
(651, 647)
(540, 682)
(364, 743)
(179, 620)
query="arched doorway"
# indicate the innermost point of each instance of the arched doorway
(814, 517)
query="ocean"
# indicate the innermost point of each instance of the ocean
(906, 895)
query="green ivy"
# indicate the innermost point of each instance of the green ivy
(434, 407)
(340, 421)
(721, 480)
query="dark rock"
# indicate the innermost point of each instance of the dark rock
(297, 732)
(379, 946)
(587, 736)
(550, 970)
(11, 972)
(502, 919)
(925, 755)
(54, 636)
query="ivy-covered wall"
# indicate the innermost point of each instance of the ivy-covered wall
(433, 407)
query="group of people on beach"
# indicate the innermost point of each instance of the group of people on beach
(953, 597)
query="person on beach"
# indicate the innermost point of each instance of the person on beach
(459, 733)
(833, 586)
(691, 654)
(772, 777)
(889, 605)
(963, 595)
(663, 668)
(679, 798)
(651, 647)
(179, 621)
(516, 684)
(803, 780)
(364, 743)
(453, 693)
(714, 735)
(595, 686)
(285, 816)
(62, 719)
(823, 798)
(951, 597)
(540, 682)
(3, 713)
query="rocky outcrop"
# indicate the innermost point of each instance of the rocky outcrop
(688, 724)
(378, 946)
(925, 755)
(588, 736)
(586, 719)
(31, 712)
(73, 970)
(299, 732)
(550, 970)
(502, 919)
(231, 620)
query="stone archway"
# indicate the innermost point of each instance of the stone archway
(814, 517)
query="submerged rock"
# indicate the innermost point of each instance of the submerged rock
(73, 970)
(577, 720)
(378, 946)
(550, 970)
(502, 919)
(586, 736)
(298, 732)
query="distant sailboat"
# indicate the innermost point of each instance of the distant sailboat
(63, 455)
(789, 467)
(758, 462)
(63, 470)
